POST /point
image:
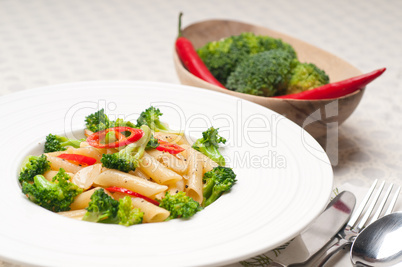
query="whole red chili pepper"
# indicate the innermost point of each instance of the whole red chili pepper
(336, 89)
(190, 59)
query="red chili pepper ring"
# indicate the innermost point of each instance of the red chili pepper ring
(135, 135)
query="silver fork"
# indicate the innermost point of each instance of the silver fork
(347, 235)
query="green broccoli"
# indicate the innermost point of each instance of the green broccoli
(56, 195)
(99, 121)
(152, 143)
(180, 205)
(306, 76)
(128, 215)
(150, 117)
(263, 74)
(209, 145)
(120, 122)
(60, 143)
(216, 182)
(221, 57)
(104, 209)
(128, 158)
(34, 165)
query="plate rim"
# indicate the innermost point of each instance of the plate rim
(158, 84)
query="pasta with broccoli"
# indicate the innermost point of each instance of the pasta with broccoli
(127, 173)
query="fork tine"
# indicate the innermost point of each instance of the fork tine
(359, 210)
(381, 205)
(393, 201)
(370, 208)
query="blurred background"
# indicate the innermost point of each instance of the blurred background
(47, 42)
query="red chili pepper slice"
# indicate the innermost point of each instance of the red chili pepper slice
(191, 60)
(78, 159)
(135, 135)
(337, 89)
(131, 193)
(169, 147)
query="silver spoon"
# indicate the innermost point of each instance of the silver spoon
(380, 244)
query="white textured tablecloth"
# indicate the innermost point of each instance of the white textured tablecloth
(49, 42)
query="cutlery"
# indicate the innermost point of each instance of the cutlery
(347, 235)
(379, 244)
(321, 231)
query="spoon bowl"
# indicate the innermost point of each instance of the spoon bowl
(380, 243)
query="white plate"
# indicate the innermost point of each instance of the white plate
(284, 179)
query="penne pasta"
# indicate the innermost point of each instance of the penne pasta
(83, 150)
(85, 177)
(121, 179)
(140, 174)
(179, 186)
(208, 164)
(81, 201)
(160, 195)
(151, 212)
(86, 151)
(178, 165)
(84, 144)
(100, 150)
(54, 154)
(57, 163)
(157, 171)
(179, 139)
(195, 173)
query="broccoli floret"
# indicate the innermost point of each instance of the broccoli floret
(180, 205)
(267, 43)
(150, 117)
(120, 122)
(128, 158)
(209, 145)
(221, 57)
(97, 121)
(306, 76)
(60, 143)
(216, 182)
(34, 165)
(152, 143)
(263, 74)
(128, 215)
(104, 209)
(56, 195)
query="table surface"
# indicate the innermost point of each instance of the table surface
(51, 42)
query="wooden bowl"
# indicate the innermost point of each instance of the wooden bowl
(315, 116)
